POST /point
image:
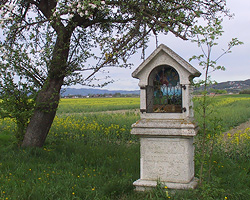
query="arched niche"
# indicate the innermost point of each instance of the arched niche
(164, 91)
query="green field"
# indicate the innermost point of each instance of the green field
(97, 104)
(90, 154)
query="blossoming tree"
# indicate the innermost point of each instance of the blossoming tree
(49, 42)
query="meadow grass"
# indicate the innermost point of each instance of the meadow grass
(68, 170)
(83, 105)
(94, 156)
(232, 110)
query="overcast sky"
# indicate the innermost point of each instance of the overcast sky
(237, 63)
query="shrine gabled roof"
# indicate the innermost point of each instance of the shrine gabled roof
(173, 55)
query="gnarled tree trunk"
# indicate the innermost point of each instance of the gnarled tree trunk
(44, 114)
(48, 98)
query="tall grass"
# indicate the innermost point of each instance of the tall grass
(95, 128)
(68, 170)
(94, 156)
(231, 109)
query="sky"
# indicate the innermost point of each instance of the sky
(237, 63)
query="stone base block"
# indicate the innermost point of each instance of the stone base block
(143, 185)
(167, 159)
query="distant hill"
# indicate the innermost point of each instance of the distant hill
(232, 86)
(229, 86)
(93, 91)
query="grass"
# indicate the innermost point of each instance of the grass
(95, 127)
(97, 104)
(232, 110)
(68, 171)
(94, 156)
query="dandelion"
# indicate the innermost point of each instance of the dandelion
(73, 193)
(93, 189)
(225, 197)
(237, 141)
(167, 194)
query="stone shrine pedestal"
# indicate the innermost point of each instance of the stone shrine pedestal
(166, 128)
(167, 153)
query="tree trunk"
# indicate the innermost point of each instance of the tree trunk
(45, 111)
(48, 98)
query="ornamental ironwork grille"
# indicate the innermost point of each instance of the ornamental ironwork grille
(167, 94)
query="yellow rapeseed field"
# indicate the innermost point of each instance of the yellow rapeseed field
(80, 105)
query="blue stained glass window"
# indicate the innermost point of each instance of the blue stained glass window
(167, 91)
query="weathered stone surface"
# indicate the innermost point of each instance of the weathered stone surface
(165, 56)
(162, 56)
(166, 136)
(161, 127)
(167, 159)
(143, 185)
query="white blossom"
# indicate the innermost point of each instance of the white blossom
(9, 18)
(2, 49)
(11, 7)
(102, 2)
(92, 5)
(79, 5)
(81, 14)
